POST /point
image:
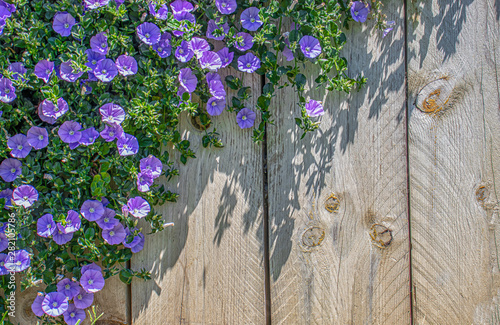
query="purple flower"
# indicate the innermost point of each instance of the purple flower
(43, 70)
(19, 146)
(221, 29)
(10, 168)
(38, 137)
(99, 43)
(36, 306)
(61, 238)
(108, 220)
(4, 242)
(226, 7)
(127, 145)
(287, 52)
(69, 132)
(2, 25)
(68, 288)
(94, 4)
(215, 106)
(3, 269)
(148, 33)
(25, 195)
(92, 281)
(55, 304)
(226, 57)
(88, 136)
(114, 236)
(360, 11)
(6, 9)
(45, 226)
(140, 245)
(92, 210)
(216, 88)
(20, 262)
(67, 72)
(210, 60)
(112, 113)
(310, 46)
(7, 195)
(83, 299)
(163, 47)
(106, 70)
(17, 69)
(63, 22)
(151, 163)
(112, 132)
(91, 266)
(314, 108)
(183, 53)
(51, 111)
(246, 42)
(7, 90)
(74, 145)
(138, 207)
(126, 65)
(144, 181)
(188, 80)
(74, 315)
(248, 63)
(212, 76)
(250, 19)
(93, 58)
(389, 27)
(198, 46)
(246, 118)
(161, 13)
(180, 6)
(130, 241)
(183, 17)
(71, 224)
(104, 201)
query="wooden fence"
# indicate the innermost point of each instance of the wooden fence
(388, 214)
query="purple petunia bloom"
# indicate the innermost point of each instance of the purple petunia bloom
(148, 33)
(212, 76)
(68, 288)
(130, 241)
(287, 52)
(246, 118)
(114, 236)
(74, 145)
(216, 88)
(43, 70)
(92, 210)
(160, 12)
(94, 4)
(106, 70)
(4, 242)
(250, 19)
(163, 47)
(126, 65)
(246, 42)
(17, 69)
(188, 79)
(99, 43)
(68, 73)
(144, 181)
(72, 223)
(198, 46)
(19, 146)
(138, 207)
(3, 269)
(151, 163)
(20, 262)
(61, 238)
(112, 113)
(52, 111)
(140, 245)
(127, 145)
(93, 57)
(25, 195)
(314, 108)
(310, 46)
(215, 106)
(226, 57)
(360, 11)
(63, 22)
(111, 133)
(6, 9)
(10, 168)
(180, 6)
(108, 220)
(222, 30)
(38, 137)
(69, 132)
(183, 17)
(74, 315)
(7, 195)
(45, 225)
(91, 266)
(55, 304)
(36, 306)
(92, 281)
(183, 53)
(83, 299)
(7, 90)
(210, 60)
(88, 136)
(389, 27)
(226, 7)
(248, 63)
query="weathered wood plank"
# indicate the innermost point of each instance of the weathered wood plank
(208, 268)
(325, 269)
(454, 156)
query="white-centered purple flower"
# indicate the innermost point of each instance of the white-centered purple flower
(245, 43)
(144, 181)
(248, 63)
(7, 195)
(69, 132)
(226, 57)
(360, 11)
(99, 43)
(163, 48)
(92, 281)
(92, 210)
(126, 65)
(158, 11)
(54, 111)
(112, 113)
(20, 262)
(55, 304)
(36, 306)
(10, 168)
(71, 224)
(181, 6)
(25, 195)
(216, 88)
(93, 57)
(19, 146)
(108, 220)
(83, 299)
(314, 108)
(183, 17)
(61, 238)
(153, 164)
(250, 19)
(18, 71)
(68, 287)
(210, 60)
(127, 145)
(63, 22)
(214, 29)
(45, 225)
(94, 4)
(246, 118)
(43, 70)
(149, 33)
(310, 46)
(88, 136)
(212, 76)
(198, 46)
(68, 73)
(138, 207)
(112, 132)
(73, 315)
(188, 79)
(105, 70)
(38, 137)
(114, 236)
(215, 106)
(183, 53)
(7, 90)
(226, 7)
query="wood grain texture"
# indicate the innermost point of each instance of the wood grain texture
(325, 268)
(454, 142)
(208, 268)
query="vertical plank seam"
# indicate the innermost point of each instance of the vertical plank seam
(410, 261)
(267, 275)
(129, 296)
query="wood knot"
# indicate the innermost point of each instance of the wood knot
(482, 193)
(332, 203)
(433, 98)
(381, 235)
(313, 236)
